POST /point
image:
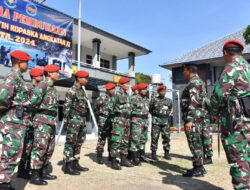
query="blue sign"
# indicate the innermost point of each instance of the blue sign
(42, 32)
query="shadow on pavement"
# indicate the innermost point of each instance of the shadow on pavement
(181, 156)
(164, 165)
(93, 157)
(19, 183)
(187, 183)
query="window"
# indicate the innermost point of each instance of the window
(89, 59)
(105, 64)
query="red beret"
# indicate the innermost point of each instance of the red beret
(21, 55)
(82, 74)
(142, 86)
(110, 86)
(36, 72)
(233, 43)
(161, 87)
(134, 87)
(124, 80)
(51, 68)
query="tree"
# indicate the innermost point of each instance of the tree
(246, 35)
(142, 78)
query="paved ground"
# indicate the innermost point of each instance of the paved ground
(158, 176)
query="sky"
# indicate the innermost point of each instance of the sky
(169, 28)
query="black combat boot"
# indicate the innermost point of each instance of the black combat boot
(197, 171)
(46, 175)
(23, 170)
(69, 170)
(36, 178)
(99, 157)
(6, 186)
(109, 158)
(115, 165)
(167, 155)
(76, 166)
(143, 157)
(125, 162)
(154, 156)
(135, 159)
(208, 160)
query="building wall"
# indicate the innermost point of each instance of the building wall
(87, 51)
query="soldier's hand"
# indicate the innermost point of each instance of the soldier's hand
(188, 127)
(216, 117)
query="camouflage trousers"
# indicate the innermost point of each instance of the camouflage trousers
(75, 137)
(195, 142)
(155, 134)
(120, 136)
(207, 138)
(28, 144)
(237, 148)
(12, 148)
(137, 134)
(104, 132)
(43, 145)
(144, 138)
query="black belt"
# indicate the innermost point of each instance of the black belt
(161, 116)
(117, 114)
(140, 116)
(48, 112)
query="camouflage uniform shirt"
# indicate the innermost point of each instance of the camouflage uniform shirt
(160, 110)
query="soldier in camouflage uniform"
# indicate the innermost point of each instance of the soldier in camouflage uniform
(15, 117)
(36, 76)
(160, 108)
(135, 90)
(103, 111)
(193, 109)
(207, 135)
(230, 103)
(75, 110)
(139, 123)
(44, 98)
(121, 126)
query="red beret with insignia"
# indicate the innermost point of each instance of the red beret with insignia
(110, 86)
(21, 55)
(142, 86)
(231, 43)
(161, 88)
(36, 72)
(82, 74)
(51, 68)
(124, 80)
(134, 88)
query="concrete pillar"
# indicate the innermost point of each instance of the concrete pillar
(114, 63)
(131, 61)
(96, 52)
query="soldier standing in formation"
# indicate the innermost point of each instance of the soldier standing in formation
(135, 90)
(121, 126)
(15, 117)
(36, 76)
(44, 98)
(142, 88)
(160, 108)
(75, 110)
(230, 103)
(103, 111)
(193, 109)
(139, 123)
